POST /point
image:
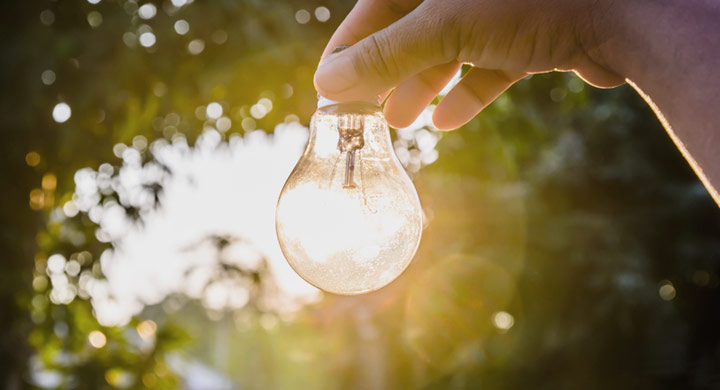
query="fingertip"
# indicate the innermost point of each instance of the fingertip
(444, 122)
(455, 110)
(401, 111)
(398, 123)
(413, 95)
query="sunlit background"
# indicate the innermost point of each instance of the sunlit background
(567, 243)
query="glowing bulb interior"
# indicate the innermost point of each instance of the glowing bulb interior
(349, 220)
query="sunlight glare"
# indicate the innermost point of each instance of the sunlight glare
(340, 227)
(227, 195)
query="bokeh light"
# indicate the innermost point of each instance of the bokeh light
(147, 11)
(47, 17)
(48, 77)
(97, 339)
(302, 16)
(214, 110)
(667, 290)
(322, 14)
(147, 39)
(94, 19)
(32, 159)
(61, 112)
(146, 329)
(196, 46)
(503, 321)
(182, 27)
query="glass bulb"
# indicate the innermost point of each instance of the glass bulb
(348, 219)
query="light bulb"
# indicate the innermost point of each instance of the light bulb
(348, 219)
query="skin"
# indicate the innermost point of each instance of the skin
(669, 51)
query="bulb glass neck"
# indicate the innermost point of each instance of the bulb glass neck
(325, 102)
(360, 107)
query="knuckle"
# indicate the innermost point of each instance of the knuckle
(377, 57)
(445, 20)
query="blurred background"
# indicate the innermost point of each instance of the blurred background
(568, 244)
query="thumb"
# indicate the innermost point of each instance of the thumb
(384, 59)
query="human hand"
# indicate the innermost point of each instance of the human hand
(416, 47)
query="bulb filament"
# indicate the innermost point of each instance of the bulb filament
(350, 128)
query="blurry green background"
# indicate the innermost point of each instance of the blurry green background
(568, 244)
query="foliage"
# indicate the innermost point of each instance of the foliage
(569, 245)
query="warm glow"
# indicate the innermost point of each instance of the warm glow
(349, 238)
(345, 228)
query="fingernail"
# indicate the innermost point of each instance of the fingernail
(336, 75)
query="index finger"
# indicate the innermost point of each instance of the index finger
(367, 17)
